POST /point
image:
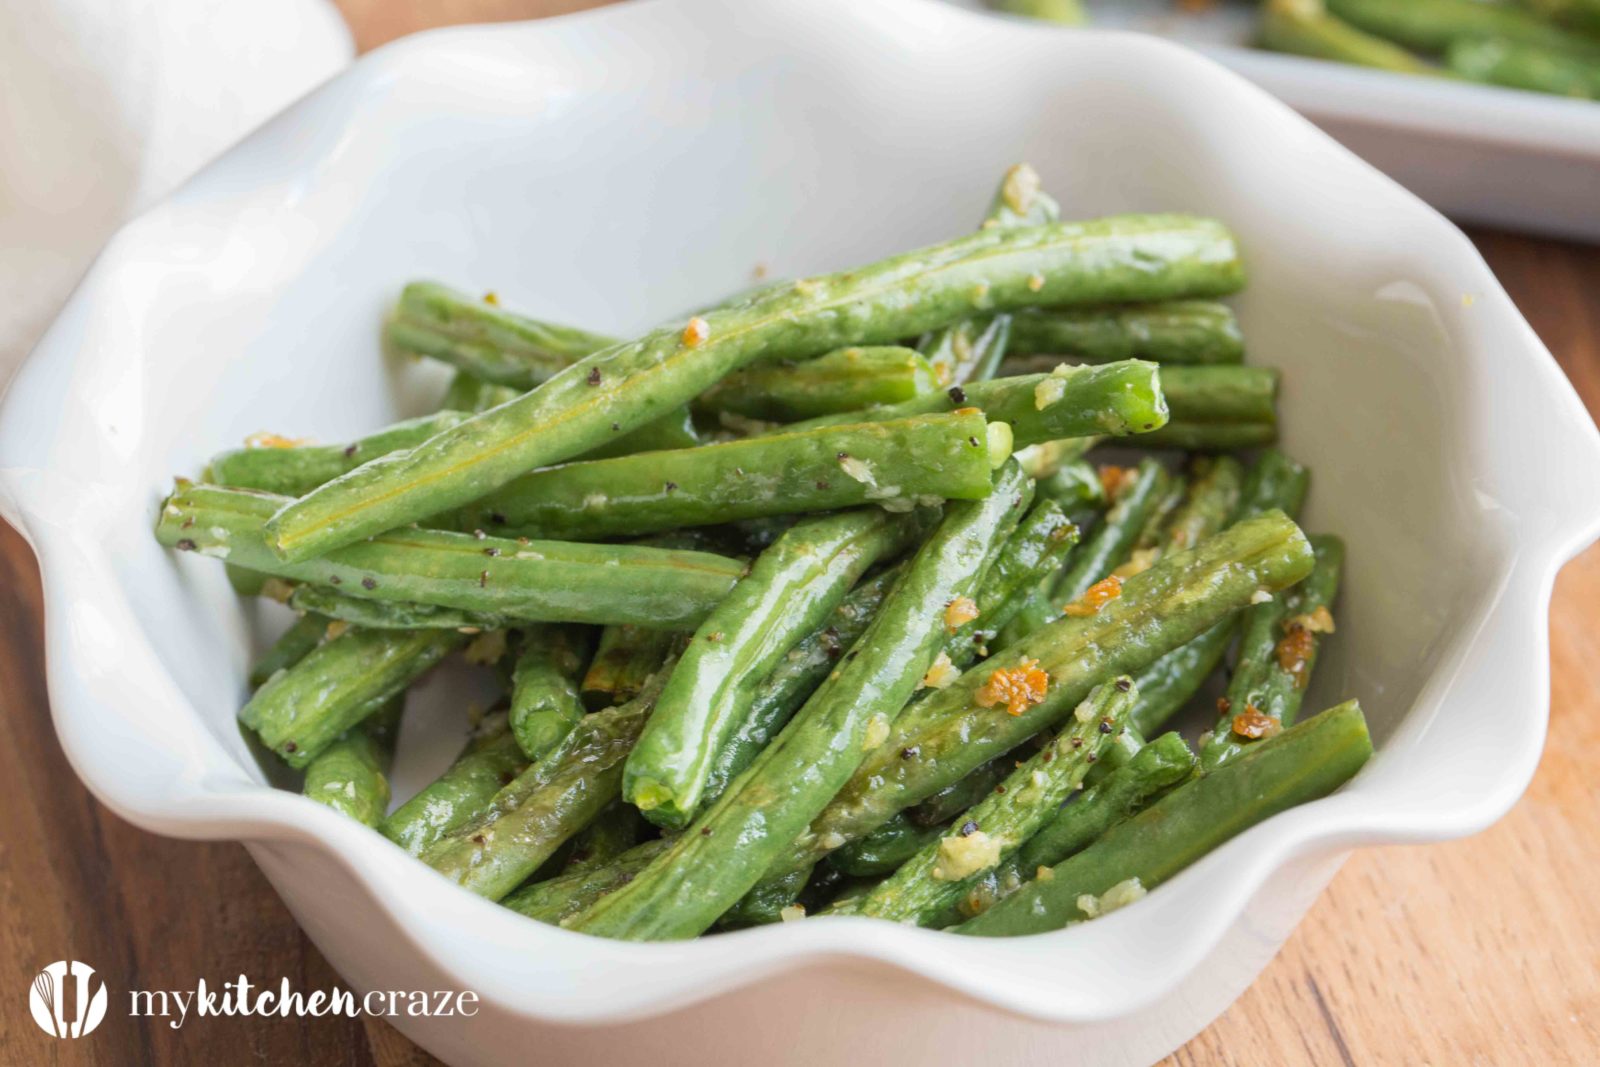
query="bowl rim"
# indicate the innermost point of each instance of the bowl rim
(210, 801)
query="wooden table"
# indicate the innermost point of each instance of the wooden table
(1481, 951)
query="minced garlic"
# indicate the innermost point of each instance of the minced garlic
(1319, 621)
(792, 913)
(1094, 598)
(877, 733)
(273, 440)
(941, 674)
(696, 332)
(1018, 688)
(1118, 896)
(1048, 392)
(858, 469)
(964, 855)
(959, 612)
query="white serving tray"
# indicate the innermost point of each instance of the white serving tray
(1501, 157)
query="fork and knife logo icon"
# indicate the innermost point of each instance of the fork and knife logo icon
(63, 1001)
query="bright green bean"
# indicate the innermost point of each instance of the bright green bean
(537, 581)
(1299, 765)
(1131, 258)
(895, 464)
(790, 589)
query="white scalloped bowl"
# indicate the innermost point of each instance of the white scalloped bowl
(612, 168)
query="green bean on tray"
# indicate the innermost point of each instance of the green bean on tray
(826, 599)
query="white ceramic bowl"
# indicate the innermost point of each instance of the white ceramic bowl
(616, 167)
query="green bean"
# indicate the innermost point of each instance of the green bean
(305, 634)
(293, 469)
(1179, 331)
(1148, 257)
(673, 430)
(481, 339)
(796, 677)
(1066, 12)
(1275, 482)
(1583, 15)
(942, 739)
(1112, 541)
(545, 703)
(1304, 28)
(1277, 653)
(971, 349)
(1115, 399)
(390, 615)
(1430, 25)
(895, 464)
(1299, 765)
(932, 883)
(967, 351)
(729, 847)
(1158, 766)
(547, 804)
(491, 760)
(540, 581)
(351, 774)
(472, 394)
(557, 899)
(1216, 484)
(791, 588)
(1075, 484)
(766, 902)
(612, 833)
(897, 840)
(1210, 436)
(301, 710)
(1221, 394)
(1519, 66)
(1046, 458)
(846, 379)
(1152, 535)
(1032, 553)
(1169, 683)
(625, 659)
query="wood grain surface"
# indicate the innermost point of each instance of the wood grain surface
(1482, 951)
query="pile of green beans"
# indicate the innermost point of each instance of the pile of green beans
(856, 595)
(1546, 46)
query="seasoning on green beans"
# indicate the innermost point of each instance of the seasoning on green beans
(533, 581)
(545, 702)
(701, 875)
(790, 589)
(491, 760)
(1277, 653)
(1177, 331)
(301, 710)
(894, 464)
(1301, 764)
(1127, 258)
(932, 883)
(843, 380)
(480, 338)
(942, 739)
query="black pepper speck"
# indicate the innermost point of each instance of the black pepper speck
(369, 583)
(594, 376)
(958, 394)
